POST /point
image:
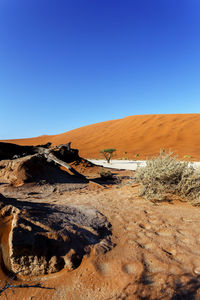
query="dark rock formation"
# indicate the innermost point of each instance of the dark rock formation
(62, 152)
(19, 164)
(12, 151)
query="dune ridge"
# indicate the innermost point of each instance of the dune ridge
(140, 134)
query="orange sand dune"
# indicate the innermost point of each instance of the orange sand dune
(145, 135)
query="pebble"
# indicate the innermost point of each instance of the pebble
(197, 270)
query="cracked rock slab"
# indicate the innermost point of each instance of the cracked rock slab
(45, 239)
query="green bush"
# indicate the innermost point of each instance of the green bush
(187, 156)
(164, 176)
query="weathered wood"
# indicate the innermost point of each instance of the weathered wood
(62, 163)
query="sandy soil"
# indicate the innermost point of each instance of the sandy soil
(157, 246)
(144, 135)
(156, 253)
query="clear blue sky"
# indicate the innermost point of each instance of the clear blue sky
(69, 63)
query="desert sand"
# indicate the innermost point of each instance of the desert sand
(154, 250)
(143, 134)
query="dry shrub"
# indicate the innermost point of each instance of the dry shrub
(105, 174)
(164, 176)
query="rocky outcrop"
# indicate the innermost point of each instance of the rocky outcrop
(19, 164)
(35, 168)
(63, 152)
(12, 151)
(44, 239)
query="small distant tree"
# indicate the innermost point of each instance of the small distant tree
(108, 153)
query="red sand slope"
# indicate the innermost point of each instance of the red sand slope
(144, 135)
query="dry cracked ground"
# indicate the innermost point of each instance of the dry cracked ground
(97, 242)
